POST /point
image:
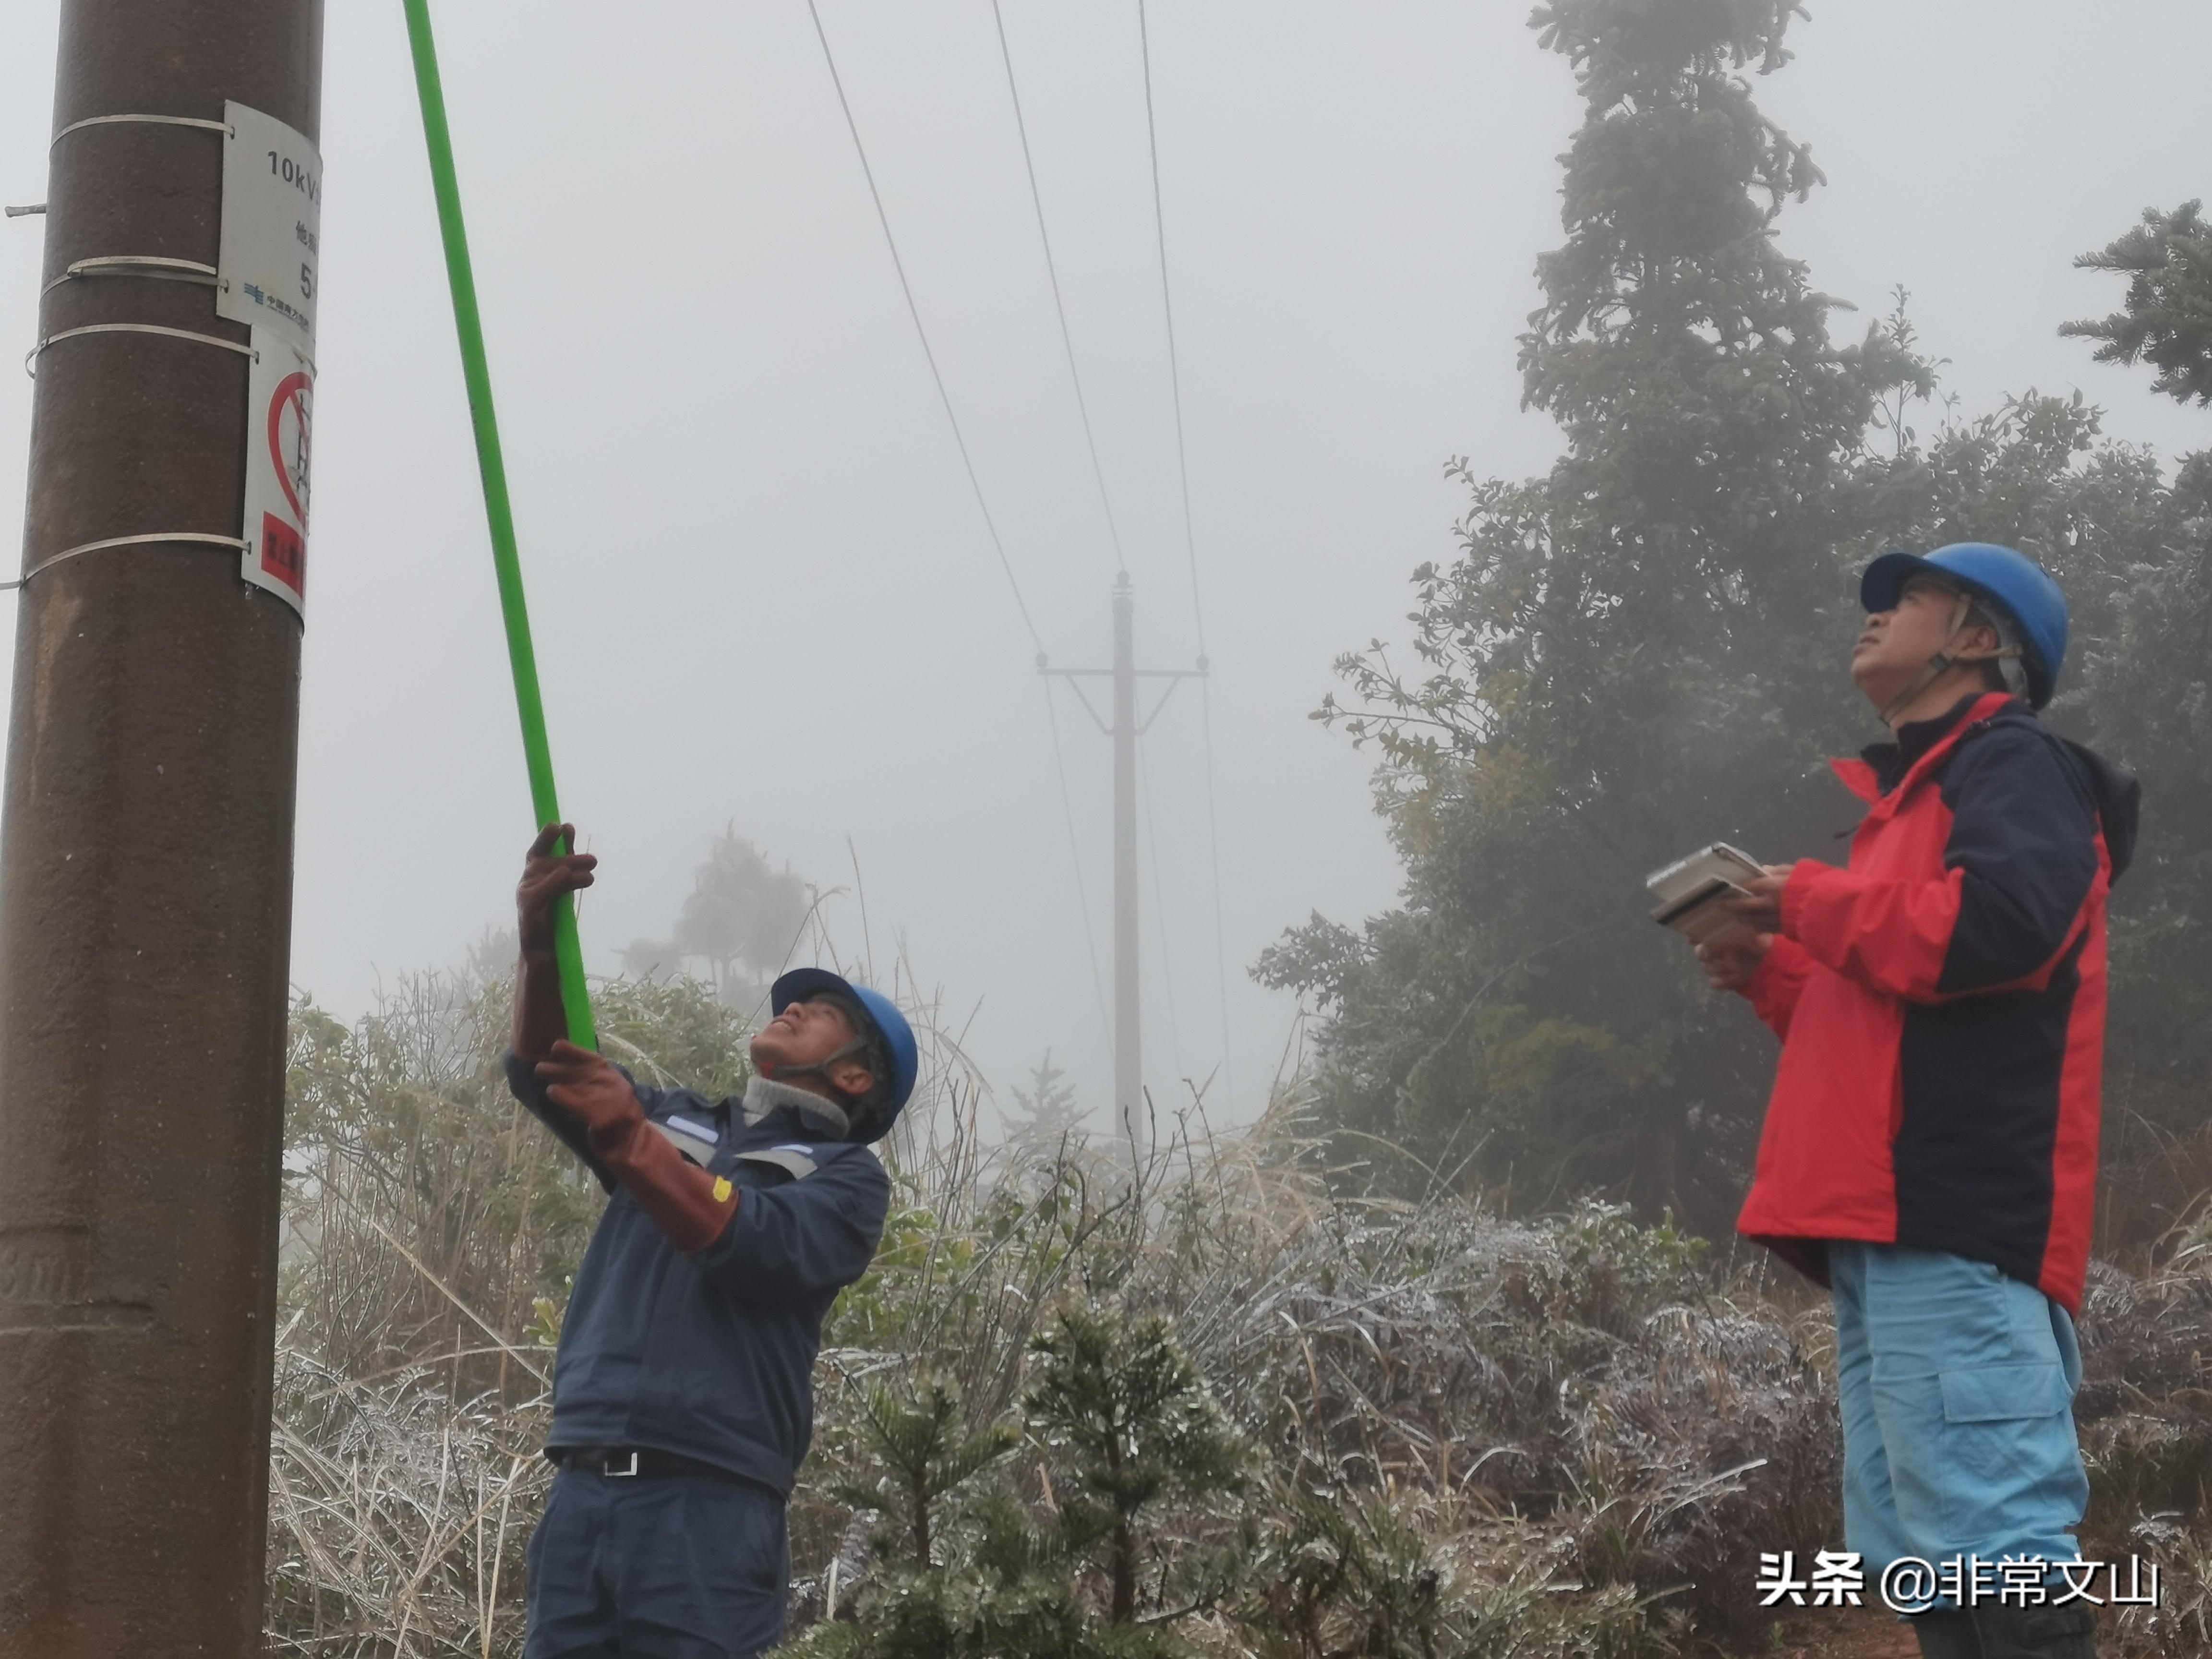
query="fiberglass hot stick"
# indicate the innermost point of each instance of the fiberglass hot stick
(575, 996)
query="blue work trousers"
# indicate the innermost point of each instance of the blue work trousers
(656, 1567)
(1957, 1386)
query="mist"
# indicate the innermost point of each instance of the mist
(765, 599)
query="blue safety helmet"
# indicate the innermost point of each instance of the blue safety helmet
(802, 983)
(2011, 581)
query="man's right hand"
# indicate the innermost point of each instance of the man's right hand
(1728, 967)
(546, 875)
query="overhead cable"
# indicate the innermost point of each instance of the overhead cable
(1167, 307)
(1052, 271)
(1189, 542)
(921, 333)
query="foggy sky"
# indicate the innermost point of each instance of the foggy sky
(763, 593)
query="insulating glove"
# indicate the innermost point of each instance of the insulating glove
(579, 1081)
(692, 1207)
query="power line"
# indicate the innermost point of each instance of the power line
(1190, 546)
(915, 312)
(952, 419)
(1167, 308)
(1052, 271)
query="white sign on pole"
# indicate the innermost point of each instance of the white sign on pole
(273, 227)
(280, 400)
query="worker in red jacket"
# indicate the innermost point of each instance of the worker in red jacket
(1931, 1150)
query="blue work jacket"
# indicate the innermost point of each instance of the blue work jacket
(712, 1356)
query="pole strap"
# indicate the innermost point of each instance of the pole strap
(133, 328)
(199, 536)
(158, 120)
(137, 264)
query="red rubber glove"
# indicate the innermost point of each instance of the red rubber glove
(579, 1081)
(693, 1208)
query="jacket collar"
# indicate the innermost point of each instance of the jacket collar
(763, 1097)
(1885, 772)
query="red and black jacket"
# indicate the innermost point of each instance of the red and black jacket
(1941, 1004)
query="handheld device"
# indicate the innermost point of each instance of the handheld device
(1690, 891)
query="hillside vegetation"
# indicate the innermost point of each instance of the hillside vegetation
(1393, 1427)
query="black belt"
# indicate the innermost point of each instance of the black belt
(630, 1462)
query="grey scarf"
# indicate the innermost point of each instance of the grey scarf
(764, 1096)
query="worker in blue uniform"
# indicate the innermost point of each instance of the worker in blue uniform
(683, 1398)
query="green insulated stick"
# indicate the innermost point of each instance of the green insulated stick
(575, 995)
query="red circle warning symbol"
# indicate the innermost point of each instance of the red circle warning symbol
(289, 413)
(284, 545)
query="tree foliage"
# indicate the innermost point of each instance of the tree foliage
(741, 921)
(1133, 1423)
(1644, 650)
(1613, 670)
(1121, 1419)
(1047, 1112)
(920, 1438)
(2167, 321)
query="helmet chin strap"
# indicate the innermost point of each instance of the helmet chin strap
(820, 1068)
(1944, 660)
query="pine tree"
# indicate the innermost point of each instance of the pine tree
(1627, 654)
(918, 1438)
(1049, 1114)
(2167, 319)
(1129, 1422)
(962, 1570)
(1644, 650)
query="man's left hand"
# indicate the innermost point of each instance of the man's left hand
(589, 1084)
(1761, 907)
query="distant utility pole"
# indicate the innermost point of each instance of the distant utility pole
(1129, 1109)
(146, 849)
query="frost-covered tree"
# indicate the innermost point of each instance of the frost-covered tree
(1128, 1424)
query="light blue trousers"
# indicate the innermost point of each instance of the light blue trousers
(1957, 1386)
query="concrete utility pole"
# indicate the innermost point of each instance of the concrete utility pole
(145, 875)
(1129, 1109)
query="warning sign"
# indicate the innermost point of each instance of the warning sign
(280, 406)
(267, 266)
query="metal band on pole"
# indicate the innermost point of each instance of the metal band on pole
(157, 266)
(522, 657)
(202, 538)
(151, 120)
(146, 876)
(131, 328)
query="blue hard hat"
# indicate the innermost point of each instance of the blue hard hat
(2010, 580)
(801, 983)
